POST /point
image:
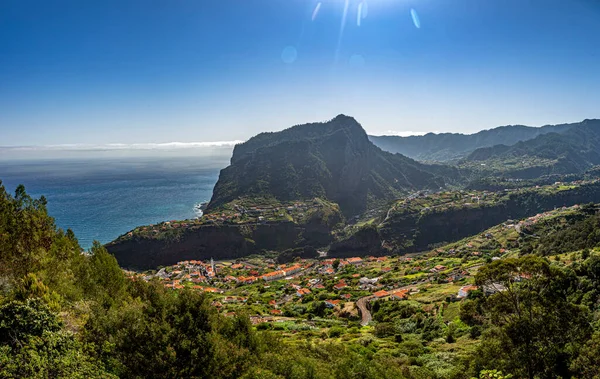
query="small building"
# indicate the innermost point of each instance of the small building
(302, 291)
(293, 270)
(464, 291)
(381, 294)
(365, 280)
(273, 275)
(355, 260)
(399, 295)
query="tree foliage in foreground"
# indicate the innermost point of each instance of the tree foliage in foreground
(65, 314)
(536, 324)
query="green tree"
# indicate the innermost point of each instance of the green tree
(335, 264)
(493, 374)
(587, 364)
(101, 277)
(533, 328)
(33, 345)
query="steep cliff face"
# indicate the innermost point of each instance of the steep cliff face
(365, 241)
(416, 231)
(218, 242)
(333, 160)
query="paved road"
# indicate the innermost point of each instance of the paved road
(362, 303)
(364, 311)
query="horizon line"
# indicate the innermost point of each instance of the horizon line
(126, 146)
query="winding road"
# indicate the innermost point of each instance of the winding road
(361, 304)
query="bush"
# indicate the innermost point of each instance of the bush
(365, 341)
(264, 326)
(384, 329)
(335, 331)
(475, 331)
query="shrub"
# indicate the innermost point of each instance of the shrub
(384, 329)
(335, 331)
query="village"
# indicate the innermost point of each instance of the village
(307, 289)
(317, 293)
(242, 211)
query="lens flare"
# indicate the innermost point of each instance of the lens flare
(316, 11)
(415, 18)
(359, 14)
(289, 54)
(342, 26)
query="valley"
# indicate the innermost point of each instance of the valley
(320, 254)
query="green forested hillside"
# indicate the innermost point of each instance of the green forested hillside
(69, 314)
(333, 160)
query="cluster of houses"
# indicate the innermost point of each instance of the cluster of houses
(193, 271)
(392, 295)
(261, 213)
(253, 214)
(491, 288)
(156, 229)
(283, 272)
(425, 202)
(304, 278)
(196, 272)
(531, 221)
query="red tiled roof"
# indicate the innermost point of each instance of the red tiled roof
(401, 293)
(381, 293)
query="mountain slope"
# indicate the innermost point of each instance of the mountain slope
(449, 146)
(333, 160)
(573, 151)
(417, 224)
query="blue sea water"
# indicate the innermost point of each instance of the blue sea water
(100, 199)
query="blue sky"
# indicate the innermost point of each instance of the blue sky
(100, 72)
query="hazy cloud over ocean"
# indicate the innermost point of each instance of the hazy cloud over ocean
(215, 150)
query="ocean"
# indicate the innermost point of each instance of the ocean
(102, 198)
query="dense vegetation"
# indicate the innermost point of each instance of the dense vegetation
(417, 223)
(69, 314)
(333, 160)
